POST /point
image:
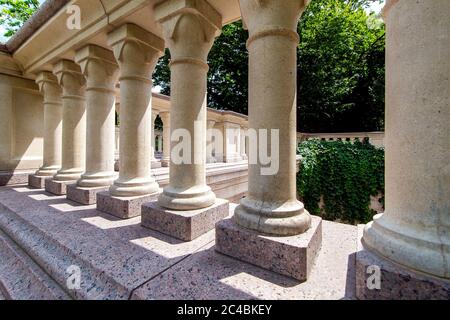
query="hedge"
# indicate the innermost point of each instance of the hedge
(344, 175)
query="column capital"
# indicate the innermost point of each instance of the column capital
(189, 27)
(99, 67)
(165, 116)
(229, 124)
(210, 123)
(267, 18)
(389, 4)
(70, 78)
(46, 77)
(49, 87)
(136, 50)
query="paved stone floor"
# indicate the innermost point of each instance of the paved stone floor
(119, 259)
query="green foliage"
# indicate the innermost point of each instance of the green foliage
(161, 76)
(228, 70)
(340, 68)
(13, 13)
(228, 75)
(344, 175)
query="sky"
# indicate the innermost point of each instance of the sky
(376, 7)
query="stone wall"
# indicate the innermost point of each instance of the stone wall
(21, 120)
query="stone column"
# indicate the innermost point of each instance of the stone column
(414, 230)
(189, 29)
(117, 136)
(271, 207)
(137, 52)
(243, 144)
(210, 136)
(189, 33)
(231, 142)
(73, 84)
(49, 87)
(101, 72)
(155, 163)
(159, 143)
(165, 117)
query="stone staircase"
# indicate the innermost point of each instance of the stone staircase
(21, 278)
(27, 273)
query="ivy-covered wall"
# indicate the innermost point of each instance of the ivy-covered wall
(337, 179)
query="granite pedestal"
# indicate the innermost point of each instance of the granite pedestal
(291, 256)
(11, 177)
(395, 281)
(37, 182)
(58, 188)
(165, 163)
(123, 207)
(187, 224)
(84, 195)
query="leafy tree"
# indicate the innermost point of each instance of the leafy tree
(13, 13)
(228, 70)
(340, 68)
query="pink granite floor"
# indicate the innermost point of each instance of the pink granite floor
(119, 259)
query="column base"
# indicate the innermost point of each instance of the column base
(123, 207)
(232, 158)
(291, 256)
(165, 163)
(36, 181)
(396, 281)
(58, 188)
(12, 177)
(84, 195)
(186, 224)
(156, 164)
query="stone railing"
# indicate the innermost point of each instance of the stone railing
(375, 138)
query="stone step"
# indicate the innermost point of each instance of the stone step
(55, 259)
(21, 278)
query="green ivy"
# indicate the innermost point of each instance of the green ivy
(344, 175)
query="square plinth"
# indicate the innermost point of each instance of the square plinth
(292, 256)
(156, 164)
(11, 177)
(58, 188)
(84, 195)
(395, 281)
(37, 182)
(123, 207)
(185, 225)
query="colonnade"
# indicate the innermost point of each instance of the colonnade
(413, 232)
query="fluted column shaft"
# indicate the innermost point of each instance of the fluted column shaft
(51, 90)
(73, 84)
(414, 230)
(271, 206)
(101, 72)
(137, 52)
(165, 117)
(189, 33)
